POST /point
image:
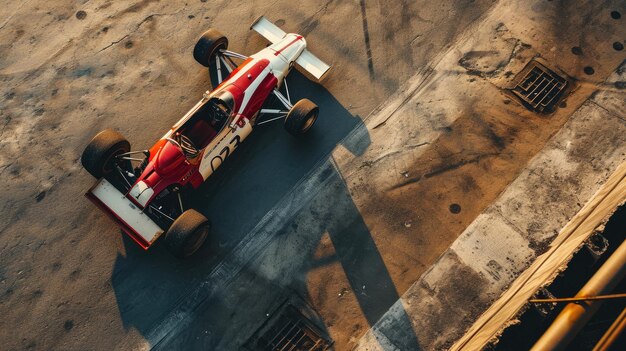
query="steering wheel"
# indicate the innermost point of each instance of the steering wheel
(185, 144)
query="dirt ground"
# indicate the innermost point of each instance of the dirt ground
(399, 192)
(69, 70)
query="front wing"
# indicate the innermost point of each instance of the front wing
(130, 218)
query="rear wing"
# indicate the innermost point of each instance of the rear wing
(268, 29)
(307, 61)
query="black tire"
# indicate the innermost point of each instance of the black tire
(98, 156)
(207, 46)
(301, 117)
(187, 233)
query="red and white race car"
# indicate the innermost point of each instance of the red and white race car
(141, 190)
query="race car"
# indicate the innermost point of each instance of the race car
(141, 190)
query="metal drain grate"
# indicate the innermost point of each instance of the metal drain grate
(292, 332)
(539, 88)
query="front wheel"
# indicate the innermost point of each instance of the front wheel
(301, 117)
(187, 234)
(208, 46)
(98, 158)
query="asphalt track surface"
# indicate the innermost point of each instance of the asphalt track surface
(265, 168)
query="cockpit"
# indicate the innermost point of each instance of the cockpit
(203, 126)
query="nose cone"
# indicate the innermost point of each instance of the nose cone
(165, 168)
(168, 159)
(141, 193)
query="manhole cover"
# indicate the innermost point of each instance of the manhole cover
(289, 330)
(539, 88)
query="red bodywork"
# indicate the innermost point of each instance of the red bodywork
(168, 165)
(238, 99)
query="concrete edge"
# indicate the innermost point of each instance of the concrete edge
(547, 266)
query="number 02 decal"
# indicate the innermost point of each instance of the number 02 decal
(225, 152)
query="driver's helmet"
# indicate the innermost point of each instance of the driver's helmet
(219, 115)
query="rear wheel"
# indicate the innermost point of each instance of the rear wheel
(98, 158)
(301, 117)
(187, 234)
(208, 46)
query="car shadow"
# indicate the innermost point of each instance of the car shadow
(148, 284)
(266, 167)
(243, 312)
(268, 164)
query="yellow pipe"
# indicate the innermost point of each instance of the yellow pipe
(575, 315)
(612, 334)
(582, 298)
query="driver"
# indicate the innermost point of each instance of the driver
(219, 116)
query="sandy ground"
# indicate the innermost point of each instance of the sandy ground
(378, 217)
(71, 69)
